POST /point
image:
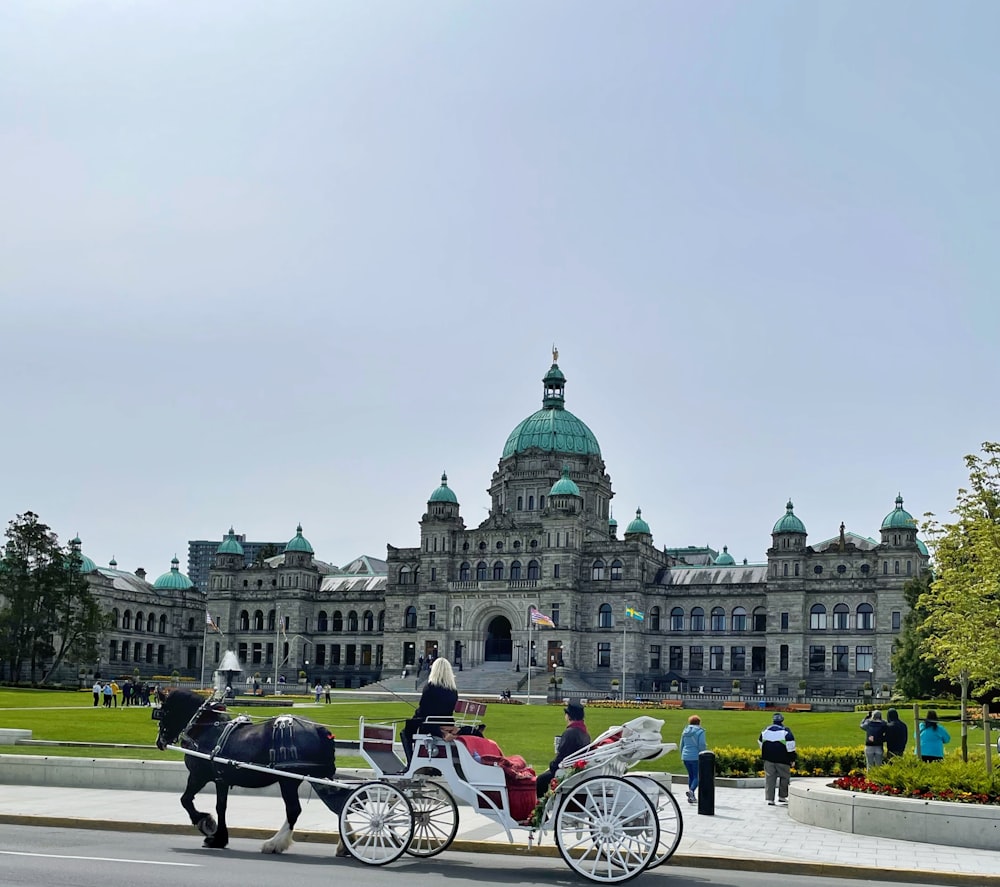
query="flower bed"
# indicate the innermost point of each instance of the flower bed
(949, 780)
(864, 784)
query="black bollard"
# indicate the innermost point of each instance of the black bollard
(706, 783)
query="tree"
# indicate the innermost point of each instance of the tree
(47, 613)
(963, 603)
(915, 674)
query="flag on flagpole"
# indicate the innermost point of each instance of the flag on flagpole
(210, 623)
(539, 618)
(638, 615)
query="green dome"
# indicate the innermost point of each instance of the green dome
(612, 522)
(299, 542)
(553, 428)
(86, 565)
(230, 545)
(444, 493)
(175, 580)
(899, 518)
(638, 525)
(922, 548)
(725, 559)
(789, 523)
(565, 486)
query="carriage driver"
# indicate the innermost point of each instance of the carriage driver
(574, 737)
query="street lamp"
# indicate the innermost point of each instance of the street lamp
(517, 646)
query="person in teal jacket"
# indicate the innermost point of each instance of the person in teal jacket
(692, 745)
(932, 738)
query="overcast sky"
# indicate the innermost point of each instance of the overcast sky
(263, 263)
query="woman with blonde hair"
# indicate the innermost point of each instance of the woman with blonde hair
(438, 700)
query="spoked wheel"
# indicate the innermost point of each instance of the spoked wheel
(668, 815)
(435, 820)
(606, 829)
(376, 824)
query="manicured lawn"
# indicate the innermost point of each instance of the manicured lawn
(518, 729)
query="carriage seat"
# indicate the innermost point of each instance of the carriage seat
(377, 741)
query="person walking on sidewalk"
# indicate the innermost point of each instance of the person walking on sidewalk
(777, 748)
(692, 745)
(874, 728)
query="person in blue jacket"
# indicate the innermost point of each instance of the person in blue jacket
(932, 738)
(692, 745)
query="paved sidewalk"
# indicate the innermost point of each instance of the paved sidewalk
(744, 833)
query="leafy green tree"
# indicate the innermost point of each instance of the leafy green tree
(962, 625)
(915, 674)
(47, 614)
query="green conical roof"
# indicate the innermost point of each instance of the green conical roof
(725, 559)
(230, 545)
(638, 525)
(299, 542)
(789, 523)
(565, 486)
(175, 580)
(553, 428)
(899, 518)
(444, 493)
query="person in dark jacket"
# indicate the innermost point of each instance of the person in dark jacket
(896, 735)
(438, 700)
(777, 748)
(574, 737)
(874, 728)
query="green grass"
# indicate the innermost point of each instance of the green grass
(517, 729)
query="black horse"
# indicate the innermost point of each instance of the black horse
(285, 742)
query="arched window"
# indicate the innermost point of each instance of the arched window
(896, 570)
(718, 619)
(163, 623)
(481, 571)
(759, 619)
(604, 617)
(456, 618)
(258, 620)
(597, 570)
(865, 617)
(270, 620)
(616, 570)
(697, 619)
(498, 570)
(410, 618)
(464, 572)
(115, 618)
(654, 618)
(817, 617)
(138, 621)
(338, 621)
(515, 570)
(784, 569)
(381, 620)
(367, 621)
(244, 620)
(352, 620)
(321, 621)
(677, 619)
(531, 503)
(534, 570)
(841, 617)
(405, 576)
(739, 619)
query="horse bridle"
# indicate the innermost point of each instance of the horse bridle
(184, 738)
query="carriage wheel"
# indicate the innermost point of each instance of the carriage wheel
(668, 815)
(435, 820)
(606, 829)
(376, 824)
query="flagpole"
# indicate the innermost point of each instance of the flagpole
(624, 640)
(531, 625)
(204, 651)
(277, 643)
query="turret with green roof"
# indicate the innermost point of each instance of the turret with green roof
(444, 493)
(725, 559)
(637, 526)
(174, 579)
(299, 543)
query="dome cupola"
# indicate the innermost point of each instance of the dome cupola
(174, 580)
(444, 493)
(299, 543)
(725, 559)
(83, 563)
(899, 518)
(788, 522)
(230, 545)
(565, 486)
(637, 526)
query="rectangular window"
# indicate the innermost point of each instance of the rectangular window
(604, 654)
(241, 651)
(758, 658)
(149, 652)
(784, 622)
(352, 655)
(334, 654)
(654, 656)
(862, 659)
(737, 658)
(270, 653)
(696, 659)
(783, 658)
(432, 615)
(840, 658)
(676, 658)
(257, 653)
(817, 658)
(796, 569)
(366, 654)
(897, 620)
(321, 654)
(555, 571)
(760, 621)
(434, 573)
(715, 658)
(554, 612)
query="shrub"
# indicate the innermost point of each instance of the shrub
(949, 780)
(827, 761)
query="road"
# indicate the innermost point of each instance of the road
(35, 857)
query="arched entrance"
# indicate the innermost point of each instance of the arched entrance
(499, 645)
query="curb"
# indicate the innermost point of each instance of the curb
(727, 863)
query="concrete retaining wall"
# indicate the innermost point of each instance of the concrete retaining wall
(814, 802)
